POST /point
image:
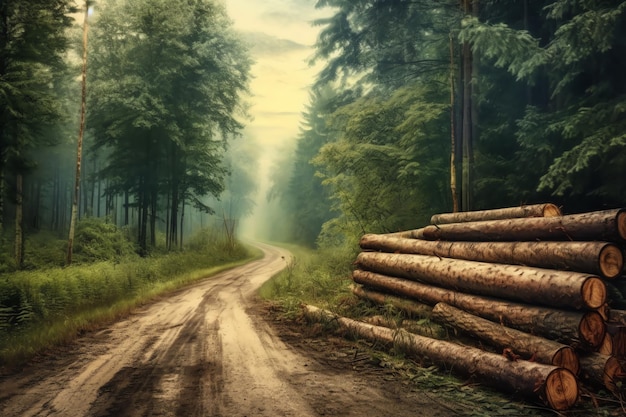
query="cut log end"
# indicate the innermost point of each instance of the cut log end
(594, 293)
(613, 374)
(621, 224)
(561, 389)
(606, 347)
(550, 210)
(567, 358)
(611, 261)
(592, 330)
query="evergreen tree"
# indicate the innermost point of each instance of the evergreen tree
(166, 97)
(32, 43)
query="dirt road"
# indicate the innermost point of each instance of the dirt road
(203, 351)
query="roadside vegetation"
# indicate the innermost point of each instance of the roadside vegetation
(50, 304)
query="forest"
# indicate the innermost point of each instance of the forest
(421, 107)
(151, 143)
(121, 132)
(425, 107)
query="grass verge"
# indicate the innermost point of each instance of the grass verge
(53, 306)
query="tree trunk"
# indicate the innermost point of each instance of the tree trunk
(580, 330)
(602, 371)
(410, 307)
(19, 221)
(408, 234)
(532, 285)
(556, 387)
(466, 127)
(529, 346)
(126, 208)
(453, 190)
(599, 258)
(79, 143)
(535, 210)
(182, 222)
(607, 225)
(153, 217)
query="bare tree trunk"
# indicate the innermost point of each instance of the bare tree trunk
(528, 346)
(533, 285)
(606, 225)
(182, 222)
(453, 191)
(602, 371)
(79, 146)
(19, 221)
(126, 208)
(466, 132)
(581, 330)
(602, 258)
(153, 217)
(412, 308)
(557, 387)
(533, 210)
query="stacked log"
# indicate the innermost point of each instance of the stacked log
(556, 386)
(529, 281)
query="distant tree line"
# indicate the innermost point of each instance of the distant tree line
(431, 106)
(164, 100)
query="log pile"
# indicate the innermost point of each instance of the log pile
(533, 284)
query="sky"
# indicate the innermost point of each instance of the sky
(281, 42)
(281, 39)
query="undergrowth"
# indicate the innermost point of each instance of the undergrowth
(322, 278)
(52, 304)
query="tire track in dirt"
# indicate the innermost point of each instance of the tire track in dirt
(199, 352)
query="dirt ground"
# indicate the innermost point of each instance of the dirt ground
(212, 349)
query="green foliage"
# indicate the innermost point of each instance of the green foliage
(166, 96)
(99, 240)
(316, 277)
(516, 50)
(30, 301)
(387, 170)
(32, 43)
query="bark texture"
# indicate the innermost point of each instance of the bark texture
(600, 258)
(535, 210)
(534, 285)
(524, 344)
(607, 225)
(556, 387)
(601, 371)
(412, 308)
(582, 330)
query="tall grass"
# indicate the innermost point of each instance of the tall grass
(320, 277)
(51, 305)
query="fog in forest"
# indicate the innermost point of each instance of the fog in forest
(243, 116)
(281, 39)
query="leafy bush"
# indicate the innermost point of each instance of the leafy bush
(98, 240)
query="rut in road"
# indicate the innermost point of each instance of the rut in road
(197, 352)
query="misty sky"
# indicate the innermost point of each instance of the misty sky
(281, 38)
(281, 41)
